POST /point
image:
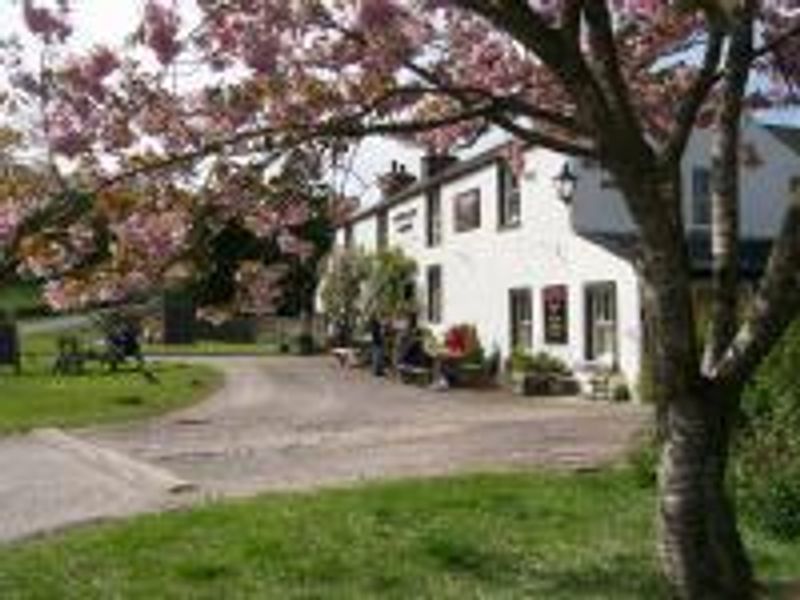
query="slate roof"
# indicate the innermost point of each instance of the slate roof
(454, 171)
(753, 252)
(790, 136)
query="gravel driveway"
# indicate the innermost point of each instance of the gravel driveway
(290, 423)
(298, 423)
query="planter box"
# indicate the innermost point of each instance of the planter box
(538, 384)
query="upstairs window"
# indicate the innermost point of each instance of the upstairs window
(467, 208)
(509, 212)
(433, 217)
(701, 197)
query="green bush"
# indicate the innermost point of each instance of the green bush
(768, 447)
(643, 461)
(540, 363)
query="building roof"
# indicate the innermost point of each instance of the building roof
(454, 171)
(790, 136)
(753, 252)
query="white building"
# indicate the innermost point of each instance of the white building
(531, 269)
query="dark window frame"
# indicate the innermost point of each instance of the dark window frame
(700, 197)
(434, 289)
(591, 325)
(467, 210)
(433, 218)
(517, 320)
(509, 197)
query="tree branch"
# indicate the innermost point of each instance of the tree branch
(725, 190)
(774, 307)
(697, 95)
(606, 59)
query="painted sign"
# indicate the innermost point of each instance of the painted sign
(556, 324)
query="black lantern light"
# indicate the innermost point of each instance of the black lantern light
(566, 181)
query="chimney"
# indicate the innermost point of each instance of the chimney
(396, 180)
(432, 164)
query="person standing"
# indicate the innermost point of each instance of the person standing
(378, 343)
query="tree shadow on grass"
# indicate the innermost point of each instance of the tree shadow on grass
(618, 576)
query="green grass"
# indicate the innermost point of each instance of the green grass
(38, 398)
(539, 535)
(44, 344)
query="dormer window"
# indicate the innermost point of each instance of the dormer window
(509, 208)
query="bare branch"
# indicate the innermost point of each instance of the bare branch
(776, 304)
(606, 59)
(698, 93)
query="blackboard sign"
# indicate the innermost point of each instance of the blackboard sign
(9, 345)
(556, 324)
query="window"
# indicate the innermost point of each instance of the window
(521, 318)
(607, 181)
(434, 288)
(467, 210)
(433, 212)
(556, 314)
(701, 197)
(383, 230)
(601, 323)
(508, 197)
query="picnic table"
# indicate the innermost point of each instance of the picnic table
(120, 344)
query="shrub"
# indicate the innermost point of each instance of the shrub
(643, 461)
(767, 455)
(540, 363)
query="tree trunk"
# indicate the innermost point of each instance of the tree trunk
(701, 548)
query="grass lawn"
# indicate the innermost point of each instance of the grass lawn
(39, 399)
(535, 535)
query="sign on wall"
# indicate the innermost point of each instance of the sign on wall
(556, 314)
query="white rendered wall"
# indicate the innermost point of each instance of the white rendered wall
(481, 266)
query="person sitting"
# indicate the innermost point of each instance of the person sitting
(412, 354)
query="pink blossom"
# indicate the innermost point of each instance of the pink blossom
(160, 31)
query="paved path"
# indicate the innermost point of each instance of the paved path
(291, 423)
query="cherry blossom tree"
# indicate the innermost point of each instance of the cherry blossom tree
(621, 81)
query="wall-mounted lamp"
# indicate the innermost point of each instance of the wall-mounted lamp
(566, 182)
